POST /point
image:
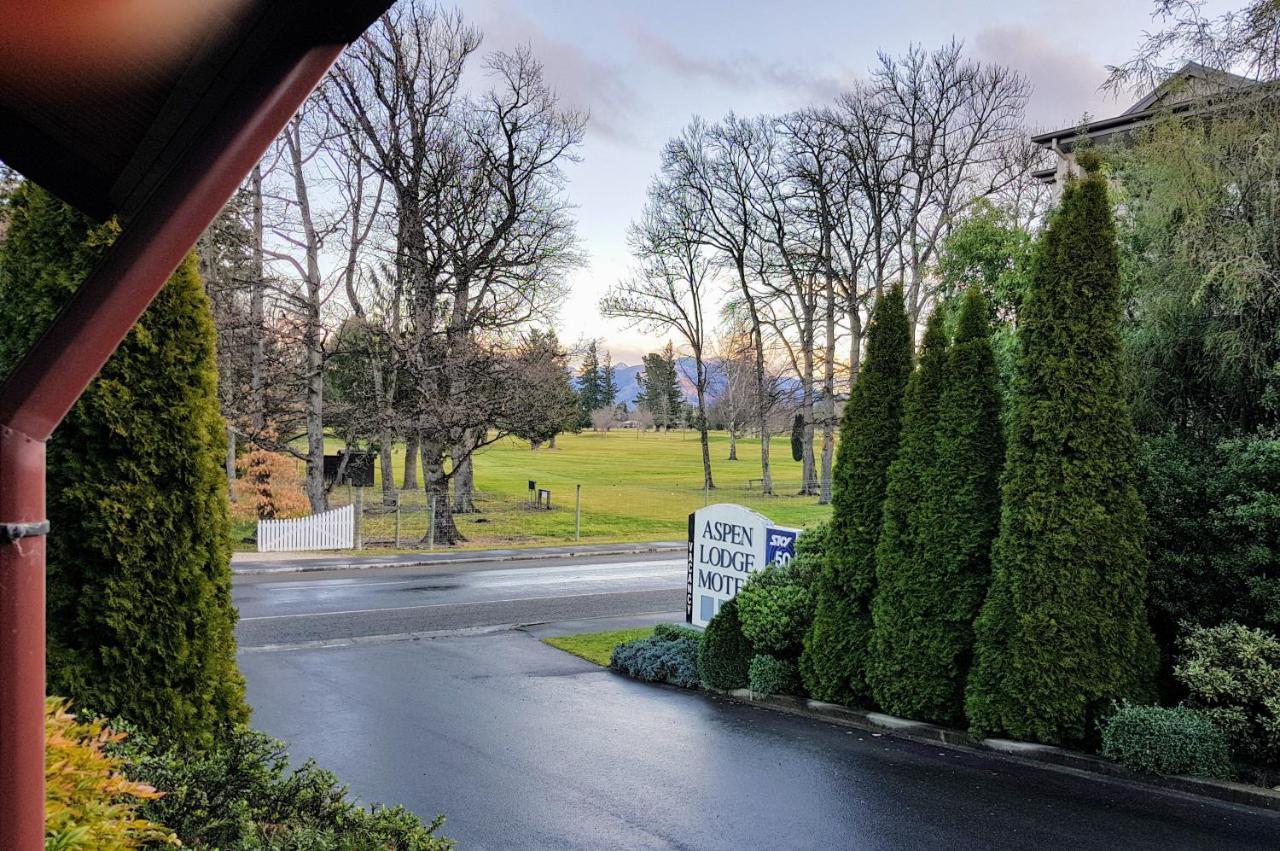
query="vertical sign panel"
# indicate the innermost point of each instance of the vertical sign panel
(727, 543)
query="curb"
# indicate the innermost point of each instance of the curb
(918, 731)
(476, 557)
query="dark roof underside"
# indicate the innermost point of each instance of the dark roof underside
(103, 142)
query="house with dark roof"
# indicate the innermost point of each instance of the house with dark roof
(1192, 88)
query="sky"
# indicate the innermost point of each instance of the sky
(643, 69)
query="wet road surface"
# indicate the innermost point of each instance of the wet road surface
(523, 746)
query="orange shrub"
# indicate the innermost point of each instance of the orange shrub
(269, 487)
(89, 803)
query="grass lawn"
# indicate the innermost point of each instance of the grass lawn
(597, 646)
(634, 488)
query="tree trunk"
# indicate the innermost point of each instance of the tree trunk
(733, 441)
(257, 328)
(464, 483)
(410, 482)
(808, 467)
(701, 388)
(436, 485)
(231, 463)
(828, 408)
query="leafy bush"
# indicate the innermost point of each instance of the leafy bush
(89, 802)
(669, 657)
(771, 675)
(813, 542)
(725, 653)
(1162, 740)
(241, 795)
(1232, 674)
(1213, 513)
(775, 609)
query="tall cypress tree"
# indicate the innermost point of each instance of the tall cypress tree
(141, 622)
(834, 660)
(899, 583)
(931, 637)
(589, 389)
(1063, 630)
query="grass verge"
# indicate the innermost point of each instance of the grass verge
(597, 647)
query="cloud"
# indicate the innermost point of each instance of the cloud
(1065, 82)
(581, 81)
(744, 71)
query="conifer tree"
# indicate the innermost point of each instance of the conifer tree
(929, 627)
(834, 660)
(139, 595)
(899, 585)
(1063, 631)
(589, 384)
(608, 382)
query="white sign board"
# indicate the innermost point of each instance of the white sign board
(727, 543)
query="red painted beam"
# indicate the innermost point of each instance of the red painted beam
(48, 381)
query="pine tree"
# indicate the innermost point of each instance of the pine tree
(900, 588)
(589, 384)
(139, 596)
(1063, 630)
(660, 391)
(608, 382)
(834, 659)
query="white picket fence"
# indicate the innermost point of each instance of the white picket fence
(328, 530)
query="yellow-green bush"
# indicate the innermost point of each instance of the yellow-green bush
(89, 802)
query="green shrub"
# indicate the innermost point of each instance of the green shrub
(1213, 511)
(775, 610)
(89, 802)
(1232, 675)
(1063, 631)
(1162, 740)
(667, 658)
(835, 650)
(240, 794)
(771, 675)
(670, 631)
(725, 653)
(141, 623)
(904, 601)
(813, 542)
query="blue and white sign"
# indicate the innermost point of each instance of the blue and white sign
(727, 543)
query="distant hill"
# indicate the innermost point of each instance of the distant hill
(628, 380)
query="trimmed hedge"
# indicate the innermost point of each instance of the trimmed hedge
(771, 675)
(1232, 675)
(675, 630)
(775, 610)
(664, 658)
(724, 656)
(1164, 740)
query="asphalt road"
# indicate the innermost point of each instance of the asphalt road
(319, 607)
(523, 746)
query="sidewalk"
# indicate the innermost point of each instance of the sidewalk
(250, 563)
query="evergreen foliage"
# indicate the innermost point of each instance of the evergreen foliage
(797, 438)
(725, 654)
(926, 629)
(904, 598)
(1166, 740)
(589, 384)
(834, 660)
(1063, 631)
(139, 587)
(608, 382)
(660, 388)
